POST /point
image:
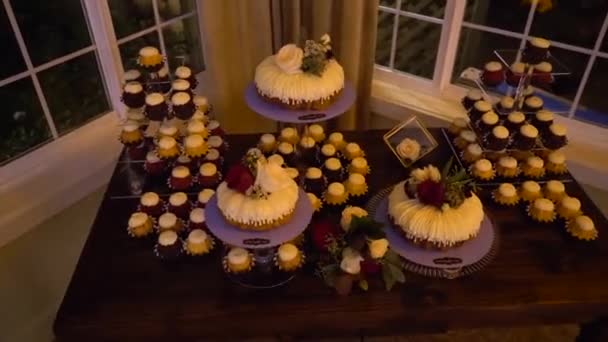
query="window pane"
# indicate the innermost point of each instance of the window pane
(573, 22)
(130, 50)
(417, 43)
(508, 15)
(435, 8)
(388, 3)
(12, 63)
(476, 48)
(384, 37)
(51, 29)
(22, 125)
(170, 8)
(131, 16)
(594, 105)
(74, 92)
(183, 44)
(565, 87)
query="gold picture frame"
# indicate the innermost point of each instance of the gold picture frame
(413, 129)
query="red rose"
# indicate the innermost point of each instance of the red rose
(239, 178)
(321, 231)
(370, 266)
(431, 193)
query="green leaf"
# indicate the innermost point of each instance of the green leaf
(387, 276)
(363, 285)
(392, 258)
(367, 226)
(397, 273)
(446, 168)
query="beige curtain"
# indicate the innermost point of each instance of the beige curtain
(352, 27)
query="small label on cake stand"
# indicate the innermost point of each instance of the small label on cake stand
(447, 261)
(256, 242)
(309, 117)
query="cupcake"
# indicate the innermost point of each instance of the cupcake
(352, 151)
(238, 260)
(131, 134)
(506, 105)
(277, 159)
(507, 167)
(154, 165)
(140, 225)
(150, 59)
(328, 151)
(214, 128)
(356, 186)
(159, 82)
(182, 105)
(308, 149)
(208, 176)
(458, 125)
(582, 228)
(168, 129)
(533, 104)
(530, 190)
(473, 95)
(289, 135)
(525, 139)
(555, 190)
(289, 258)
(359, 165)
(316, 132)
(133, 95)
(543, 119)
(180, 85)
(213, 156)
(315, 202)
(181, 179)
(498, 139)
(542, 74)
(534, 167)
(493, 74)
(151, 204)
(195, 146)
(542, 210)
(333, 170)
(199, 116)
(515, 73)
(464, 139)
(217, 142)
(287, 151)
(169, 221)
(133, 75)
(197, 127)
(185, 161)
(203, 197)
(167, 148)
(569, 208)
(479, 108)
(483, 170)
(156, 109)
(505, 194)
(196, 219)
(169, 246)
(267, 143)
(337, 139)
(472, 153)
(201, 103)
(179, 205)
(185, 73)
(556, 163)
(346, 217)
(514, 121)
(335, 196)
(293, 174)
(314, 181)
(198, 243)
(536, 50)
(488, 121)
(555, 138)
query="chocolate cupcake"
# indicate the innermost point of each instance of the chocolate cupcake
(536, 50)
(328, 151)
(337, 139)
(209, 176)
(183, 107)
(180, 85)
(316, 132)
(498, 139)
(185, 161)
(555, 137)
(159, 82)
(473, 95)
(181, 178)
(314, 181)
(133, 75)
(506, 105)
(203, 197)
(542, 74)
(526, 137)
(201, 103)
(213, 156)
(151, 204)
(156, 109)
(515, 73)
(196, 219)
(357, 189)
(333, 170)
(179, 205)
(533, 104)
(185, 73)
(218, 143)
(479, 108)
(214, 128)
(515, 120)
(133, 95)
(287, 151)
(488, 121)
(543, 119)
(493, 74)
(308, 149)
(154, 165)
(169, 246)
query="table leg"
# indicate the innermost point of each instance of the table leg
(596, 330)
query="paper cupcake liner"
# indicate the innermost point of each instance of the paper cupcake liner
(289, 269)
(211, 247)
(534, 174)
(134, 143)
(179, 242)
(219, 180)
(337, 202)
(471, 172)
(180, 151)
(151, 232)
(555, 169)
(504, 201)
(502, 174)
(536, 218)
(561, 213)
(192, 183)
(367, 173)
(580, 234)
(228, 270)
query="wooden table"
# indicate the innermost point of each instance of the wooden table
(119, 291)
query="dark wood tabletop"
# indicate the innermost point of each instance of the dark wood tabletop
(120, 291)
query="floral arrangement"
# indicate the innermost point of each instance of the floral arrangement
(242, 176)
(449, 187)
(312, 59)
(356, 253)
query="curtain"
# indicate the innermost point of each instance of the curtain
(352, 27)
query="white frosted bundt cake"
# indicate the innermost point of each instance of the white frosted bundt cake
(301, 78)
(434, 211)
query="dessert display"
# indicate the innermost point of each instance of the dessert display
(168, 129)
(352, 151)
(301, 78)
(169, 246)
(293, 173)
(185, 161)
(514, 74)
(314, 181)
(196, 219)
(133, 75)
(151, 204)
(507, 167)
(209, 176)
(498, 139)
(203, 197)
(543, 119)
(465, 138)
(582, 228)
(506, 194)
(542, 74)
(179, 205)
(488, 121)
(140, 225)
(568, 208)
(276, 159)
(506, 105)
(287, 151)
(536, 50)
(533, 104)
(328, 151)
(159, 82)
(289, 257)
(479, 108)
(308, 149)
(542, 210)
(526, 139)
(555, 138)
(515, 120)
(198, 243)
(238, 260)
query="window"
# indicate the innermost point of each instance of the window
(407, 44)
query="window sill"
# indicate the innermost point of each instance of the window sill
(586, 151)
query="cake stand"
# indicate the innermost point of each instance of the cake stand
(262, 243)
(452, 263)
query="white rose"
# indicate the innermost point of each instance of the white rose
(377, 248)
(325, 39)
(351, 261)
(434, 174)
(347, 216)
(289, 59)
(419, 175)
(409, 149)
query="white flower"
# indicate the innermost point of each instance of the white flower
(434, 173)
(351, 261)
(289, 59)
(408, 149)
(325, 39)
(271, 177)
(425, 173)
(377, 248)
(347, 216)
